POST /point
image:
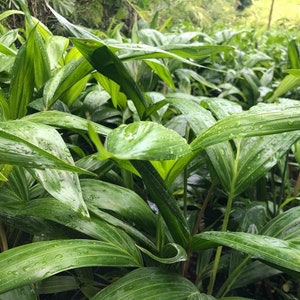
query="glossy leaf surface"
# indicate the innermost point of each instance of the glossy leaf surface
(145, 141)
(151, 283)
(44, 259)
(273, 250)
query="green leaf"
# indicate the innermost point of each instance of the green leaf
(108, 64)
(161, 70)
(293, 54)
(168, 250)
(121, 201)
(145, 141)
(28, 144)
(221, 156)
(8, 13)
(65, 120)
(23, 293)
(165, 201)
(249, 123)
(65, 79)
(33, 262)
(94, 227)
(151, 283)
(285, 226)
(56, 47)
(276, 251)
(22, 81)
(288, 83)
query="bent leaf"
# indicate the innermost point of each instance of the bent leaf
(151, 283)
(172, 253)
(146, 141)
(28, 144)
(36, 261)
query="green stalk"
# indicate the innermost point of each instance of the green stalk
(226, 219)
(232, 278)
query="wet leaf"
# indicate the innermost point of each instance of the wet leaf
(146, 141)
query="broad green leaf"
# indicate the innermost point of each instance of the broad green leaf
(172, 253)
(113, 89)
(7, 50)
(254, 272)
(40, 59)
(108, 64)
(56, 47)
(65, 120)
(196, 50)
(132, 230)
(285, 226)
(62, 185)
(22, 82)
(145, 141)
(64, 79)
(58, 284)
(161, 70)
(23, 293)
(293, 54)
(121, 201)
(288, 83)
(33, 262)
(221, 156)
(273, 250)
(94, 227)
(249, 123)
(165, 201)
(151, 283)
(28, 144)
(258, 155)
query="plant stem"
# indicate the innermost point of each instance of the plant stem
(3, 239)
(226, 219)
(232, 278)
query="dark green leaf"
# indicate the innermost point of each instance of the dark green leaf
(276, 251)
(108, 64)
(151, 283)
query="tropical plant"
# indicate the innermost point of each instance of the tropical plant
(118, 181)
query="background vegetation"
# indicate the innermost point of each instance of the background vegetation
(151, 152)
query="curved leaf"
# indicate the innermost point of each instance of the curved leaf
(28, 144)
(151, 283)
(168, 250)
(146, 141)
(33, 262)
(276, 251)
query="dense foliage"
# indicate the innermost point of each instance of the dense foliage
(152, 166)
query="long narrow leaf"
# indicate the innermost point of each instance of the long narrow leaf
(250, 123)
(34, 262)
(166, 203)
(273, 250)
(65, 120)
(108, 64)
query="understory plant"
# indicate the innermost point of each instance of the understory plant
(130, 170)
